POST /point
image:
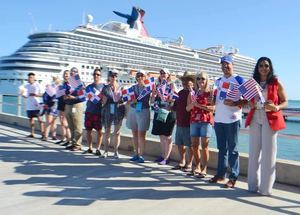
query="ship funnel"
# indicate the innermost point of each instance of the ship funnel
(89, 19)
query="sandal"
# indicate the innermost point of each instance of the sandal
(178, 167)
(193, 173)
(187, 169)
(201, 175)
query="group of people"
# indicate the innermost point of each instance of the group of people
(197, 111)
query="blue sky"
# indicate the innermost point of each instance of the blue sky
(257, 28)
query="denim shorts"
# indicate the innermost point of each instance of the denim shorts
(182, 136)
(201, 129)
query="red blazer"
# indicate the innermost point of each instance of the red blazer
(275, 119)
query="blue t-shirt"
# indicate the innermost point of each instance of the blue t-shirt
(92, 107)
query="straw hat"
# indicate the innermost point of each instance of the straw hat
(187, 76)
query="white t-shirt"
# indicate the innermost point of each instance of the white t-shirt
(225, 113)
(33, 102)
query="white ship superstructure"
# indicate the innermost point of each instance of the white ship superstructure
(111, 45)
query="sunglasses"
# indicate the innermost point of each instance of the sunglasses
(264, 65)
(139, 75)
(202, 79)
(97, 74)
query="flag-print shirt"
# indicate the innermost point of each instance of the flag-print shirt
(198, 114)
(225, 113)
(94, 107)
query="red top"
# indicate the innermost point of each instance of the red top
(198, 114)
(275, 119)
(182, 116)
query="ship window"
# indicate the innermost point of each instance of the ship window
(82, 66)
(87, 67)
(82, 73)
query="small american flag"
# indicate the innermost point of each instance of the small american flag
(193, 95)
(75, 82)
(250, 89)
(60, 91)
(233, 92)
(51, 90)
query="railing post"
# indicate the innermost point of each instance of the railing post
(19, 110)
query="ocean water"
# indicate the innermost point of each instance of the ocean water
(288, 139)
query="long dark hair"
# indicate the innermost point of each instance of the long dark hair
(271, 76)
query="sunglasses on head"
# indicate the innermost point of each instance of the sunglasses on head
(264, 65)
(200, 78)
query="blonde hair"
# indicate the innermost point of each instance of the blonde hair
(202, 75)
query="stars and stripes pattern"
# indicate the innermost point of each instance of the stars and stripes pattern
(250, 89)
(51, 90)
(60, 91)
(75, 82)
(233, 92)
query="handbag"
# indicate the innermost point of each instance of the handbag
(162, 115)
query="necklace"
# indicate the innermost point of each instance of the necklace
(263, 84)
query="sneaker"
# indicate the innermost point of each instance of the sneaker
(163, 162)
(30, 136)
(141, 159)
(98, 152)
(66, 143)
(159, 159)
(105, 155)
(116, 155)
(59, 142)
(89, 151)
(69, 147)
(134, 158)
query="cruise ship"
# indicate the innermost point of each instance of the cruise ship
(123, 46)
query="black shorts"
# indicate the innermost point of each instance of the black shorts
(61, 104)
(161, 128)
(33, 113)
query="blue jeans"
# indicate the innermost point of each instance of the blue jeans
(227, 141)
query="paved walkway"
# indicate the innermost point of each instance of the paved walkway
(42, 178)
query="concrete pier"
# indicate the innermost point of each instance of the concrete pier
(43, 178)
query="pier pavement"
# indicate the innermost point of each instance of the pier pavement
(43, 178)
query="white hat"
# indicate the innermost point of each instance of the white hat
(141, 71)
(166, 70)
